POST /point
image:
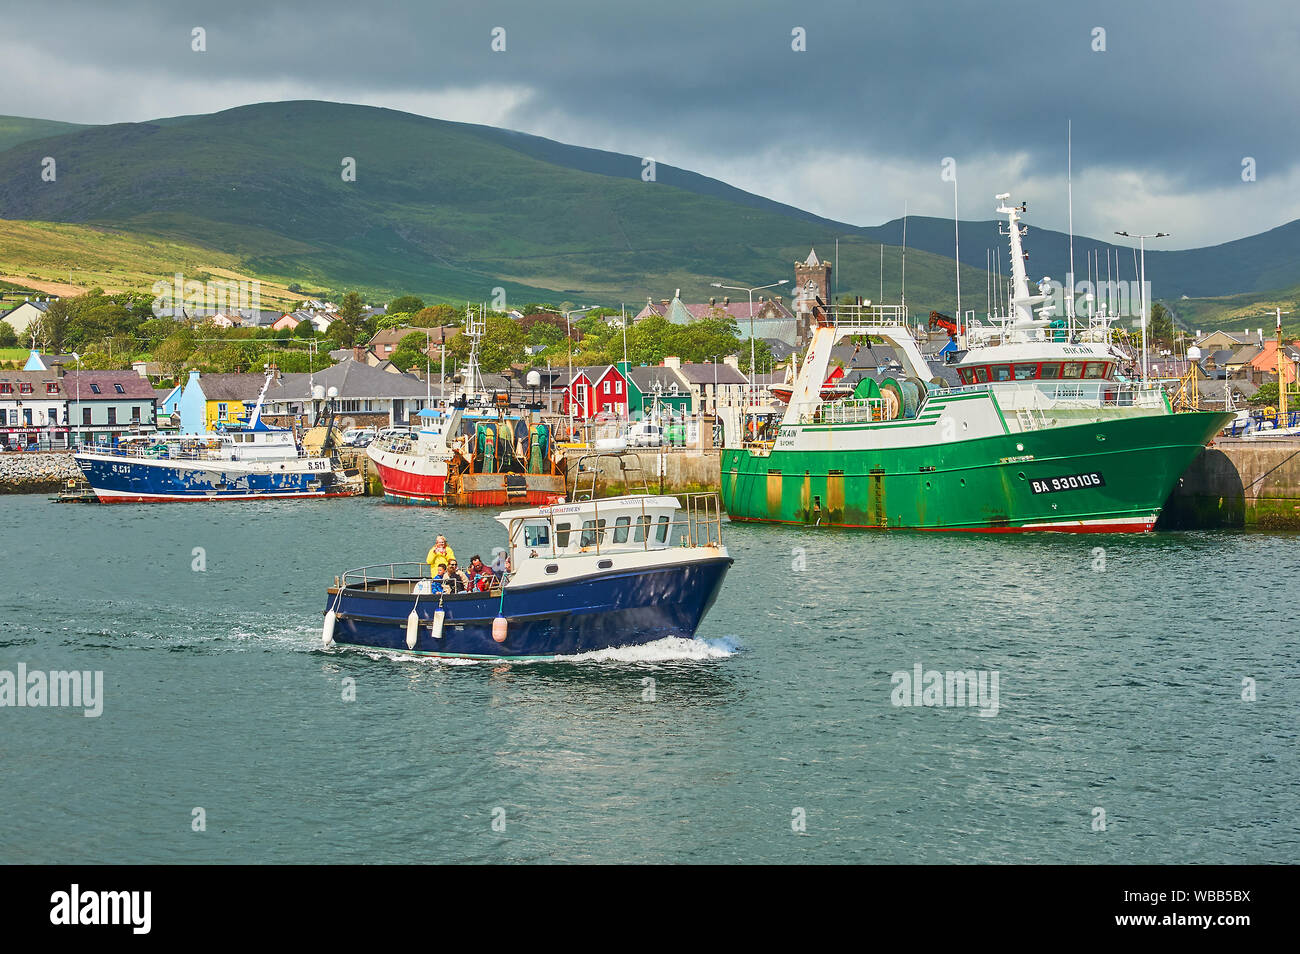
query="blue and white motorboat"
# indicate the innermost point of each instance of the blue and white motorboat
(584, 576)
(250, 460)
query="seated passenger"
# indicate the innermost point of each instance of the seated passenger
(457, 581)
(481, 576)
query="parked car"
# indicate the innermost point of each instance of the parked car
(645, 434)
(358, 436)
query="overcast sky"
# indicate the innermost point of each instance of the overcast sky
(850, 128)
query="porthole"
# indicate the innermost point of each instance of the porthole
(604, 564)
(552, 568)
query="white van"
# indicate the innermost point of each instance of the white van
(645, 434)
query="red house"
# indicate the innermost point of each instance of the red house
(594, 390)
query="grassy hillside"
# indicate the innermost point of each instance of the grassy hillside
(1246, 312)
(17, 129)
(445, 210)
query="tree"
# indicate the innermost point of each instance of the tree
(175, 351)
(406, 304)
(1267, 394)
(8, 337)
(1161, 326)
(435, 316)
(52, 327)
(304, 329)
(503, 345)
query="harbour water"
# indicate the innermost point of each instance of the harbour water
(773, 737)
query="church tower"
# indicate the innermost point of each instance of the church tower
(812, 279)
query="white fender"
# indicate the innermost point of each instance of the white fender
(499, 629)
(327, 634)
(438, 616)
(412, 629)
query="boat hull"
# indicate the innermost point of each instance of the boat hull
(1111, 476)
(116, 479)
(601, 611)
(407, 486)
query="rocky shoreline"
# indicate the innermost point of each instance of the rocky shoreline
(37, 472)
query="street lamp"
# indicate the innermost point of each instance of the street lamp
(78, 357)
(1143, 279)
(750, 291)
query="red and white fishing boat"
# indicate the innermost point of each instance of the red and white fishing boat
(473, 451)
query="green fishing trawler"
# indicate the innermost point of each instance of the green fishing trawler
(1042, 433)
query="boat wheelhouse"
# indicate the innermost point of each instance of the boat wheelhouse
(1042, 434)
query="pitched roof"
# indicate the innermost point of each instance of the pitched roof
(709, 373)
(77, 384)
(354, 379)
(232, 387)
(645, 378)
(37, 379)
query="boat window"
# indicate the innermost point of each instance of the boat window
(982, 375)
(642, 532)
(1001, 372)
(552, 568)
(967, 376)
(1025, 372)
(621, 526)
(661, 532)
(537, 535)
(1051, 371)
(1072, 369)
(1095, 369)
(562, 534)
(593, 533)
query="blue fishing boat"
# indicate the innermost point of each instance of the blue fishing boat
(584, 576)
(250, 460)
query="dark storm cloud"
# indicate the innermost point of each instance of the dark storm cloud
(1184, 90)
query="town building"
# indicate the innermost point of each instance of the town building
(210, 401)
(713, 385)
(593, 390)
(33, 410)
(105, 406)
(23, 316)
(368, 395)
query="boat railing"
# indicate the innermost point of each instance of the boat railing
(850, 317)
(383, 577)
(206, 450)
(1063, 394)
(850, 411)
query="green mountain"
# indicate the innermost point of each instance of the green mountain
(446, 210)
(17, 129)
(1258, 263)
(451, 211)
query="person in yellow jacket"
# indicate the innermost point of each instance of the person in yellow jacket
(440, 553)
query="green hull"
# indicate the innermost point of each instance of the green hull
(1103, 477)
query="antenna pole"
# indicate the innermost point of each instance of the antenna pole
(956, 231)
(903, 294)
(1069, 187)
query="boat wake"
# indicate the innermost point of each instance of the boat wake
(669, 649)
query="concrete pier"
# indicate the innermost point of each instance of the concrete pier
(1238, 483)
